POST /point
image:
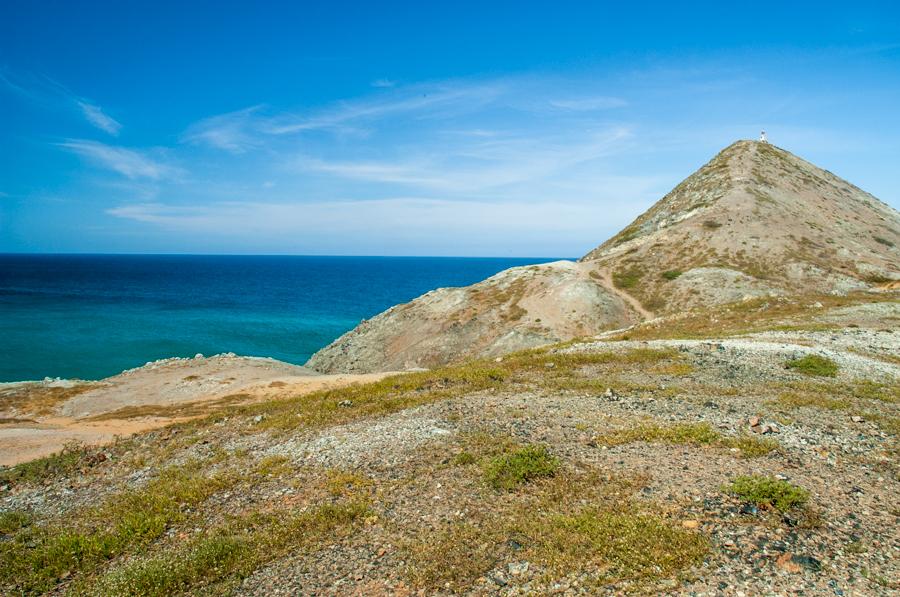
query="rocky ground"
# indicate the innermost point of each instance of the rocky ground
(596, 467)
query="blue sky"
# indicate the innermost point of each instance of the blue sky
(482, 128)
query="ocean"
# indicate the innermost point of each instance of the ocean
(92, 316)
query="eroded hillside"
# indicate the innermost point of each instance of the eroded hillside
(518, 308)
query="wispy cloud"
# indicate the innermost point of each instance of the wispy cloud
(127, 162)
(54, 95)
(430, 100)
(235, 132)
(99, 119)
(486, 164)
(253, 127)
(384, 83)
(391, 225)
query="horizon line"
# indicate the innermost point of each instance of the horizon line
(136, 254)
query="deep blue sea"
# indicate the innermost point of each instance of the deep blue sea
(91, 316)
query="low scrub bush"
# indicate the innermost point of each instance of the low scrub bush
(507, 471)
(813, 364)
(768, 491)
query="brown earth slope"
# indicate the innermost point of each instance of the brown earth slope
(755, 221)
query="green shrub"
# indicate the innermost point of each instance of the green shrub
(883, 241)
(36, 557)
(813, 364)
(509, 470)
(671, 274)
(768, 491)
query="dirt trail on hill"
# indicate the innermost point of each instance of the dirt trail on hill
(632, 302)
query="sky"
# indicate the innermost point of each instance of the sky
(415, 128)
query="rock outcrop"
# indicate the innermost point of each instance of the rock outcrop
(754, 221)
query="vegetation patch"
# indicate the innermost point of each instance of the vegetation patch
(508, 471)
(346, 483)
(768, 492)
(274, 466)
(743, 317)
(391, 394)
(628, 278)
(815, 400)
(883, 241)
(34, 559)
(813, 364)
(39, 399)
(228, 553)
(12, 521)
(677, 369)
(697, 434)
(620, 543)
(878, 279)
(464, 458)
(671, 274)
(628, 233)
(615, 538)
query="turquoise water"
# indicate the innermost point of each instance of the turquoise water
(91, 316)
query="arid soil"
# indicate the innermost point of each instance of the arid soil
(40, 418)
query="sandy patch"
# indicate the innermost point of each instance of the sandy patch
(36, 420)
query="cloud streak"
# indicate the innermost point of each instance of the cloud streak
(390, 225)
(54, 95)
(235, 132)
(130, 163)
(96, 116)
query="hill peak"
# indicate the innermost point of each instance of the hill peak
(755, 175)
(764, 214)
